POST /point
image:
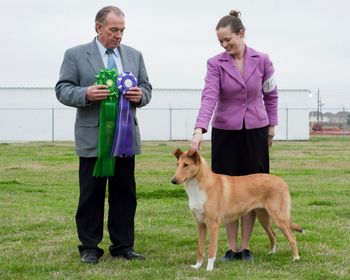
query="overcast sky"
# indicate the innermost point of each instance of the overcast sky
(308, 41)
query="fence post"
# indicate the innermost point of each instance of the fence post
(170, 123)
(286, 123)
(52, 124)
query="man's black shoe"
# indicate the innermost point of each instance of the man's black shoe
(231, 256)
(130, 255)
(247, 255)
(89, 257)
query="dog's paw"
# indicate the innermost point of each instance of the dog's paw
(210, 265)
(273, 250)
(296, 258)
(197, 265)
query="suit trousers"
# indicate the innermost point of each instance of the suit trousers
(121, 201)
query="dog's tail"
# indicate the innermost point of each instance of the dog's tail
(296, 227)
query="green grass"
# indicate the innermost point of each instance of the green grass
(39, 192)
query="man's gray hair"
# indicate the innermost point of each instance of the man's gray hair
(102, 14)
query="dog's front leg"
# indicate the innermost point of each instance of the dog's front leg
(202, 231)
(213, 229)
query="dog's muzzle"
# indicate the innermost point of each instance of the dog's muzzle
(174, 181)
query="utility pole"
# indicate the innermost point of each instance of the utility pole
(318, 106)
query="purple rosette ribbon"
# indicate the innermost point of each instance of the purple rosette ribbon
(123, 138)
(126, 80)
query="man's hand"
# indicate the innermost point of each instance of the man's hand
(97, 93)
(134, 95)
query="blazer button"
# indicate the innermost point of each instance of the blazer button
(244, 105)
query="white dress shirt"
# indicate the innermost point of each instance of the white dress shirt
(116, 56)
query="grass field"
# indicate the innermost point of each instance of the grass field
(39, 193)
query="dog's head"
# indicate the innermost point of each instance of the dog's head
(188, 164)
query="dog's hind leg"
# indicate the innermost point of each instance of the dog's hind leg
(201, 231)
(265, 220)
(287, 231)
(280, 215)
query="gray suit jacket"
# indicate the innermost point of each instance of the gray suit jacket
(80, 66)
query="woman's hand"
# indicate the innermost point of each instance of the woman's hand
(197, 139)
(271, 134)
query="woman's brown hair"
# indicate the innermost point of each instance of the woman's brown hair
(233, 20)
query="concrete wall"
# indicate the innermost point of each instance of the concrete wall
(34, 114)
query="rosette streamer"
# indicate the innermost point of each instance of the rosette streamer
(108, 117)
(123, 138)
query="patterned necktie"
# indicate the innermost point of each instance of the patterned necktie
(111, 63)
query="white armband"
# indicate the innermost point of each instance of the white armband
(269, 84)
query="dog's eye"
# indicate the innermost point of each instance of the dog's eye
(185, 164)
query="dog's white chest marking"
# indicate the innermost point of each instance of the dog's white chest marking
(196, 199)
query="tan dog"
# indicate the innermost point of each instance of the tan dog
(216, 199)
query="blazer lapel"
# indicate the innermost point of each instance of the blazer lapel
(128, 63)
(251, 61)
(230, 68)
(94, 58)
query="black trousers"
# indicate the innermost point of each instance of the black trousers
(121, 201)
(240, 152)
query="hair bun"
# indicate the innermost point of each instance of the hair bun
(235, 13)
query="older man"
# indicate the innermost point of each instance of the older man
(76, 87)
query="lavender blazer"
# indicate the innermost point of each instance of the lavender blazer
(234, 99)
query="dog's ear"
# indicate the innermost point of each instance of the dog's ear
(194, 155)
(177, 153)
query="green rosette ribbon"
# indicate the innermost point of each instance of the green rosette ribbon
(104, 166)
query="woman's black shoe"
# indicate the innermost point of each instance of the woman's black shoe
(247, 255)
(231, 256)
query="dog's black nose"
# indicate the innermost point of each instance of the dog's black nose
(174, 181)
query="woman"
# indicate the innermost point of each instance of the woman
(241, 93)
